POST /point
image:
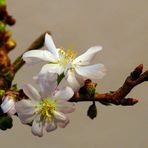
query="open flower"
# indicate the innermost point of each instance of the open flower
(8, 105)
(46, 110)
(60, 61)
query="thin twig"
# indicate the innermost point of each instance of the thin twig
(117, 97)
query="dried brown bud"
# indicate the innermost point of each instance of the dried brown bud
(10, 20)
(137, 71)
(4, 59)
(10, 44)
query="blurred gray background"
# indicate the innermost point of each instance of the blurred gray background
(121, 27)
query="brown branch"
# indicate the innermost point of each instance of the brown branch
(117, 97)
(6, 45)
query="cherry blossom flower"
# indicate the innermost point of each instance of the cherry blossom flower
(47, 109)
(75, 69)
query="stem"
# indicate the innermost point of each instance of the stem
(117, 97)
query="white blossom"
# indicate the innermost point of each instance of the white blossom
(76, 69)
(47, 109)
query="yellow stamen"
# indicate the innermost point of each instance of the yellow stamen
(68, 56)
(47, 108)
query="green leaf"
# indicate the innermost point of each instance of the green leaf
(5, 122)
(92, 111)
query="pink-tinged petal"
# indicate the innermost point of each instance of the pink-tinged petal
(72, 80)
(64, 94)
(26, 110)
(61, 119)
(37, 126)
(50, 45)
(50, 126)
(65, 107)
(35, 56)
(7, 104)
(92, 72)
(47, 83)
(31, 92)
(54, 68)
(86, 57)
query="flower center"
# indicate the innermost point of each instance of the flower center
(47, 108)
(67, 56)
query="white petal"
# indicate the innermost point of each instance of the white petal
(65, 107)
(26, 118)
(54, 68)
(7, 104)
(86, 57)
(26, 110)
(31, 92)
(92, 72)
(61, 119)
(51, 126)
(50, 45)
(64, 94)
(37, 126)
(35, 56)
(71, 79)
(12, 111)
(47, 83)
(25, 106)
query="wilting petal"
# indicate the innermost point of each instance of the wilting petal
(37, 126)
(92, 72)
(65, 107)
(25, 110)
(51, 126)
(35, 56)
(31, 92)
(7, 104)
(54, 68)
(86, 57)
(47, 83)
(61, 119)
(64, 94)
(71, 79)
(50, 45)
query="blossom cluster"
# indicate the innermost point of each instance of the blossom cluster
(47, 108)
